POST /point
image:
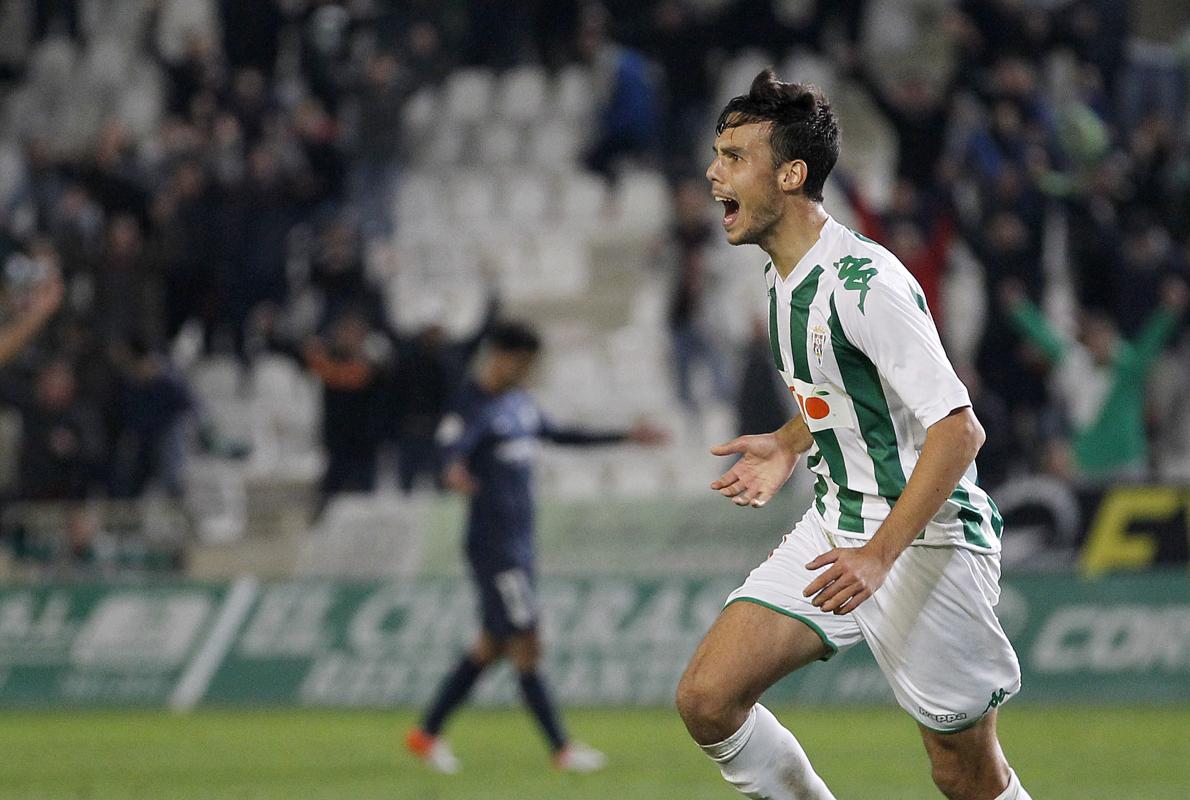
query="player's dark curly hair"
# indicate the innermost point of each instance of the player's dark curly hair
(804, 127)
(511, 336)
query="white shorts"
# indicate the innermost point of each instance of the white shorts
(931, 626)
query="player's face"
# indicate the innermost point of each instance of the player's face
(512, 368)
(744, 179)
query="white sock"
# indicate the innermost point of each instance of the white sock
(1014, 791)
(765, 762)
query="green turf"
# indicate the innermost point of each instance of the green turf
(1083, 753)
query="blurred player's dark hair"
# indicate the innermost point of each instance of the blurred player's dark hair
(511, 336)
(804, 127)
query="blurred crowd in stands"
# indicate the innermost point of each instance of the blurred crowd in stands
(219, 168)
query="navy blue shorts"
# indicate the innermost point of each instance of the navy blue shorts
(507, 602)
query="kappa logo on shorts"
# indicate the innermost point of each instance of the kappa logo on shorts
(998, 697)
(943, 718)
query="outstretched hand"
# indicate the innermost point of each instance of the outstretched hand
(763, 468)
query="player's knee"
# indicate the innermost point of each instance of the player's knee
(949, 779)
(960, 780)
(485, 653)
(705, 708)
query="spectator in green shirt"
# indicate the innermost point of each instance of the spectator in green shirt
(1101, 379)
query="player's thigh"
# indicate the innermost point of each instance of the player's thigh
(508, 602)
(748, 649)
(933, 630)
(769, 628)
(524, 650)
(487, 648)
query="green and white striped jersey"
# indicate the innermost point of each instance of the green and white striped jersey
(855, 343)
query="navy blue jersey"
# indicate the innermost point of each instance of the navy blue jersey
(496, 436)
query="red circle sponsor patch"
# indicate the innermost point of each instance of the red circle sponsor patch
(817, 408)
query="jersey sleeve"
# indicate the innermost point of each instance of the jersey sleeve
(892, 327)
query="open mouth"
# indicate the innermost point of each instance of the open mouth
(731, 210)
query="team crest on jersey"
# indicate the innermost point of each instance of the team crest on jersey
(818, 337)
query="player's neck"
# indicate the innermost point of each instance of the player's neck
(793, 235)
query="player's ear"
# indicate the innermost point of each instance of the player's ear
(792, 175)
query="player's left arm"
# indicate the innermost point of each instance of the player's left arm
(894, 331)
(856, 573)
(640, 433)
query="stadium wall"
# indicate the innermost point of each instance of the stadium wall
(612, 642)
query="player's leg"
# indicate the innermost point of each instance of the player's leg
(933, 630)
(767, 630)
(426, 741)
(969, 764)
(524, 652)
(457, 685)
(748, 649)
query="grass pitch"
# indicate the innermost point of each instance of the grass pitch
(1060, 752)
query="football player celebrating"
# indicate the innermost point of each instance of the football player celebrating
(900, 547)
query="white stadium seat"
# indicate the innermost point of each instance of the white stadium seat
(420, 200)
(500, 143)
(644, 206)
(574, 92)
(469, 95)
(582, 199)
(804, 66)
(554, 144)
(475, 196)
(420, 111)
(524, 200)
(523, 93)
(736, 76)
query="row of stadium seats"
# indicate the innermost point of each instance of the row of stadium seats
(522, 94)
(437, 201)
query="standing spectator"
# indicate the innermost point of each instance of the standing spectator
(186, 215)
(377, 142)
(919, 115)
(429, 373)
(1102, 380)
(259, 220)
(763, 402)
(338, 282)
(919, 237)
(627, 104)
(678, 43)
(59, 453)
(350, 368)
(694, 341)
(129, 298)
(156, 403)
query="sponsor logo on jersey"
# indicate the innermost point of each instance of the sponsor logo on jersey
(944, 718)
(856, 274)
(822, 406)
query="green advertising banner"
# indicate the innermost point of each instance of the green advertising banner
(100, 645)
(610, 641)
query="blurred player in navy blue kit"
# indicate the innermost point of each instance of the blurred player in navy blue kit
(489, 443)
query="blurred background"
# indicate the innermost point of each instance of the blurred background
(283, 227)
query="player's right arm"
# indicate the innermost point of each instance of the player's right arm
(458, 435)
(767, 460)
